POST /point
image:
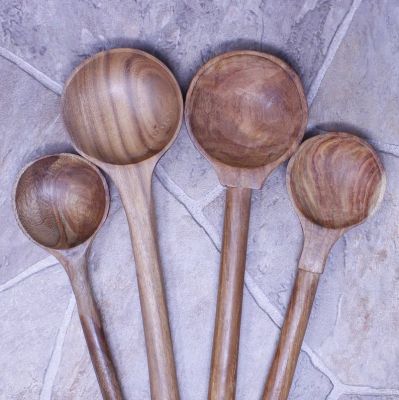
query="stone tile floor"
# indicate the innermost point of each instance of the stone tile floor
(347, 54)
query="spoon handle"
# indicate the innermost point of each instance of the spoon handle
(296, 320)
(92, 328)
(231, 283)
(134, 184)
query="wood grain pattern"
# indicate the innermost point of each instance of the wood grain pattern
(335, 182)
(231, 284)
(292, 334)
(60, 202)
(123, 108)
(246, 112)
(127, 103)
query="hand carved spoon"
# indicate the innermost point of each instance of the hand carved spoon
(60, 203)
(335, 182)
(246, 112)
(123, 108)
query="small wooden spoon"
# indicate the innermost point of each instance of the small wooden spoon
(60, 203)
(246, 113)
(335, 182)
(123, 108)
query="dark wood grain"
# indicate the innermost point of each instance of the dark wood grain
(335, 182)
(123, 108)
(60, 203)
(246, 112)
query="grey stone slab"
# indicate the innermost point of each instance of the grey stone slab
(309, 381)
(363, 397)
(29, 129)
(76, 378)
(30, 315)
(54, 36)
(188, 168)
(366, 319)
(354, 321)
(359, 91)
(258, 339)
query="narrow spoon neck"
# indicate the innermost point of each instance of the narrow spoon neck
(317, 244)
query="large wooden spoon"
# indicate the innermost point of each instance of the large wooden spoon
(246, 112)
(60, 202)
(335, 182)
(123, 108)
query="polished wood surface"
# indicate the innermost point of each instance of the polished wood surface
(60, 203)
(292, 334)
(246, 112)
(231, 285)
(123, 108)
(126, 102)
(335, 182)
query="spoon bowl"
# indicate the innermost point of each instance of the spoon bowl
(335, 182)
(60, 202)
(246, 112)
(123, 108)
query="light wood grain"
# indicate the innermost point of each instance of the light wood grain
(123, 108)
(60, 203)
(246, 113)
(335, 182)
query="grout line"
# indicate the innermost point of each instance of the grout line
(32, 71)
(33, 269)
(55, 359)
(278, 319)
(336, 41)
(193, 207)
(210, 196)
(171, 186)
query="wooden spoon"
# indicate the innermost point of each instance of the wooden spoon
(335, 182)
(60, 202)
(123, 108)
(246, 113)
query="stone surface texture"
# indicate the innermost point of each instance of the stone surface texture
(347, 54)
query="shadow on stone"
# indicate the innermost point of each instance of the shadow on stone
(338, 127)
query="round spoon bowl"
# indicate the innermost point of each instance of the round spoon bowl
(122, 106)
(61, 201)
(246, 109)
(336, 180)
